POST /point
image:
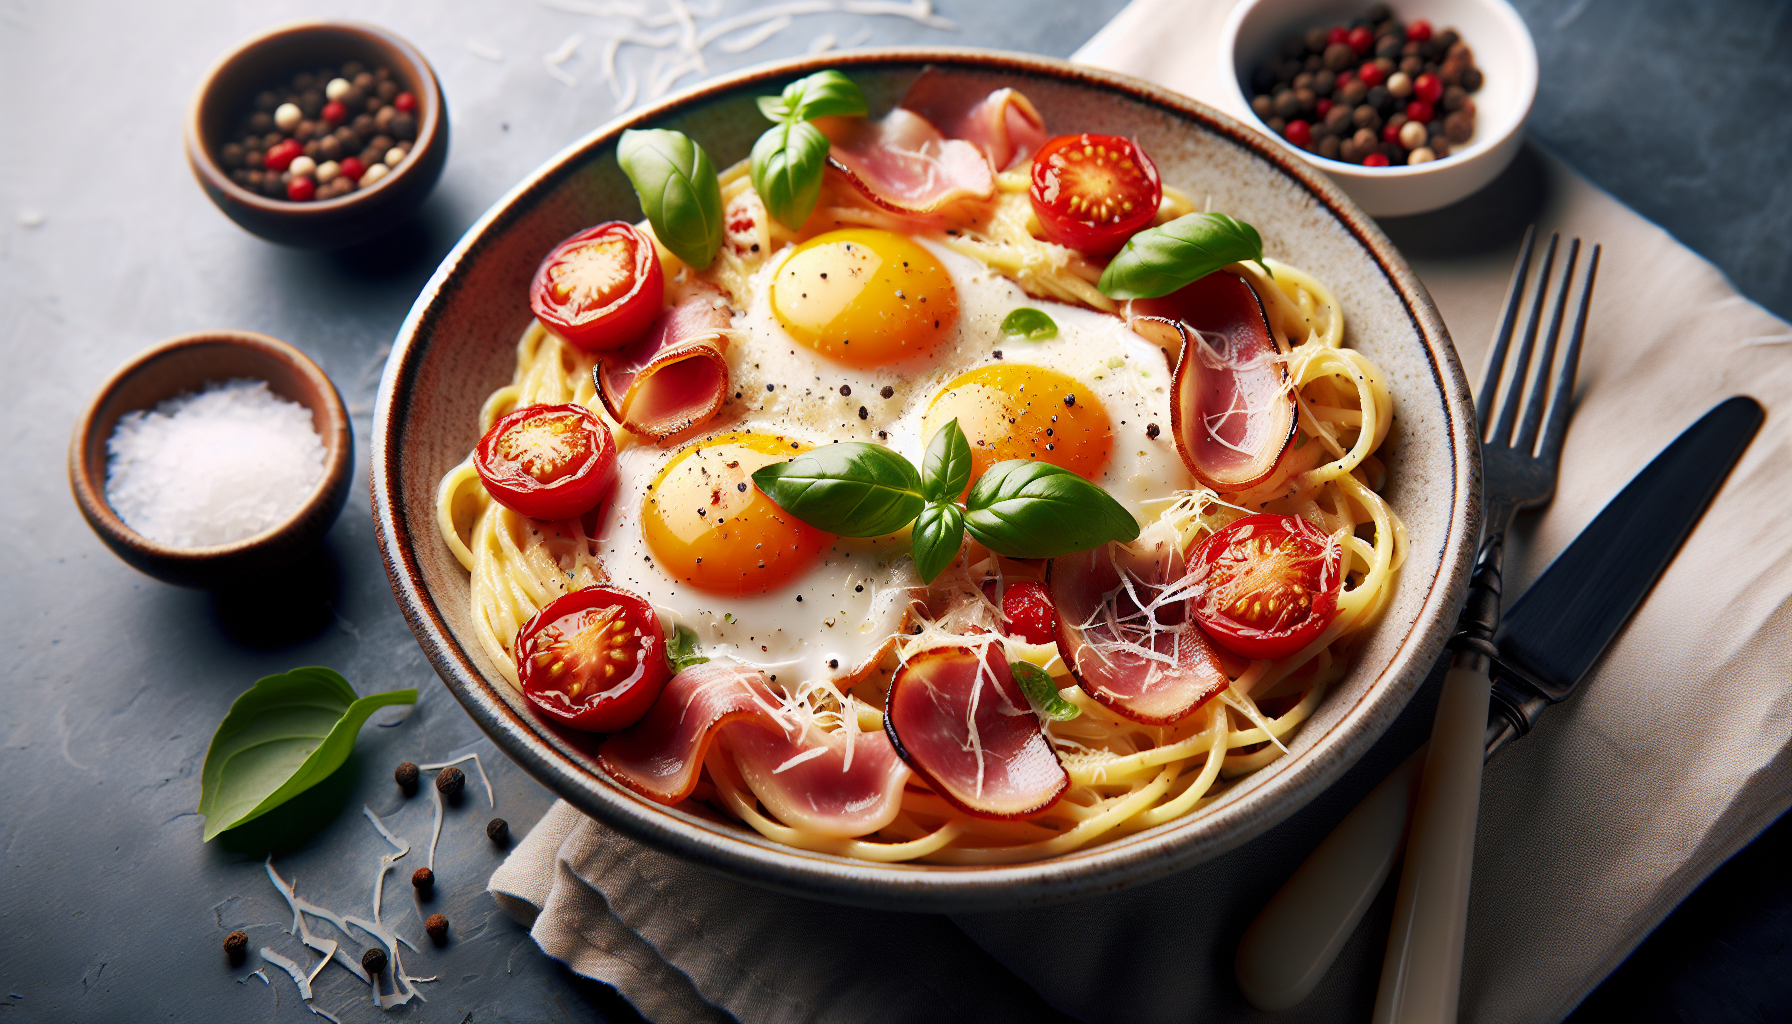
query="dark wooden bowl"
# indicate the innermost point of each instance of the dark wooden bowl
(186, 363)
(228, 91)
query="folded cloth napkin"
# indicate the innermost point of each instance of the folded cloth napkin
(1676, 752)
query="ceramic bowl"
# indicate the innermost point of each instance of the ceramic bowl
(228, 91)
(1503, 50)
(185, 364)
(458, 344)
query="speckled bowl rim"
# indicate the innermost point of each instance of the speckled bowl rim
(931, 888)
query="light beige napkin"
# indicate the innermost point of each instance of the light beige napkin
(1677, 751)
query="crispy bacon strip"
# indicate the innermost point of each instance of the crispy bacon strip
(676, 376)
(806, 779)
(1125, 631)
(903, 164)
(661, 756)
(962, 724)
(1004, 125)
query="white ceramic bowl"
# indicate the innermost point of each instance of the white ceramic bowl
(1503, 51)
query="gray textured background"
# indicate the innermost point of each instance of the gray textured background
(110, 907)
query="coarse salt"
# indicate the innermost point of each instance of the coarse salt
(213, 467)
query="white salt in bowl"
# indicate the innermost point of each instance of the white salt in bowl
(187, 364)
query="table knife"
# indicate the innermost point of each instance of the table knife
(1549, 640)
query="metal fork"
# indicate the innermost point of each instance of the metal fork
(1421, 975)
(1298, 934)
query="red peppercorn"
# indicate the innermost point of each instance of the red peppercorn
(1375, 160)
(1360, 39)
(1344, 79)
(1299, 132)
(334, 112)
(405, 102)
(352, 168)
(1337, 34)
(1418, 31)
(281, 157)
(1371, 75)
(1419, 110)
(1427, 87)
(1390, 132)
(301, 190)
(1323, 107)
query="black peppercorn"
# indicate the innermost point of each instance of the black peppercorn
(406, 777)
(423, 879)
(232, 155)
(1263, 106)
(888, 391)
(261, 122)
(404, 126)
(1287, 104)
(498, 831)
(1329, 147)
(1315, 40)
(1389, 46)
(437, 927)
(374, 961)
(1151, 431)
(1471, 78)
(266, 101)
(386, 90)
(1324, 81)
(1338, 56)
(1458, 127)
(1366, 116)
(1352, 95)
(363, 125)
(236, 947)
(1337, 120)
(450, 781)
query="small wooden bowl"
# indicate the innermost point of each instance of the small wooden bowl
(228, 91)
(185, 364)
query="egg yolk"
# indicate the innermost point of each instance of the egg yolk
(708, 526)
(864, 297)
(1015, 411)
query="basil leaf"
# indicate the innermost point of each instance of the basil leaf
(1026, 509)
(1041, 692)
(851, 489)
(823, 94)
(1031, 324)
(284, 735)
(787, 167)
(1159, 260)
(678, 189)
(946, 468)
(938, 534)
(682, 648)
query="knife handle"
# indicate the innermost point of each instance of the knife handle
(1298, 934)
(1421, 977)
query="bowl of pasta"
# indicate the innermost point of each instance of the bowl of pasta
(934, 479)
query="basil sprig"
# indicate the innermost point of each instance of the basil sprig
(1018, 508)
(1041, 692)
(682, 649)
(1159, 260)
(1031, 324)
(788, 160)
(678, 189)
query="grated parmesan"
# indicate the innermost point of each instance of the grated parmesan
(213, 467)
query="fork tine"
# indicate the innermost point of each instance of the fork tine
(1502, 337)
(1546, 360)
(1551, 448)
(1521, 360)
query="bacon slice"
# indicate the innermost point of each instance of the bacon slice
(827, 793)
(962, 724)
(1004, 125)
(676, 376)
(1230, 410)
(661, 756)
(903, 164)
(1130, 641)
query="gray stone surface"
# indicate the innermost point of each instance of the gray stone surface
(110, 906)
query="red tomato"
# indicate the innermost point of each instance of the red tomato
(547, 461)
(594, 659)
(601, 288)
(1266, 586)
(1028, 608)
(1093, 192)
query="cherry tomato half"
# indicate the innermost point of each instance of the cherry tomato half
(1093, 192)
(601, 288)
(547, 461)
(1266, 585)
(1028, 608)
(594, 659)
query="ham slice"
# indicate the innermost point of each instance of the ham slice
(903, 164)
(959, 720)
(661, 756)
(1130, 639)
(1003, 125)
(676, 376)
(1230, 409)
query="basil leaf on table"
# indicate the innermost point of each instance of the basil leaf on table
(787, 165)
(1031, 324)
(682, 649)
(678, 189)
(1041, 692)
(946, 468)
(823, 94)
(1026, 509)
(284, 735)
(851, 489)
(1159, 260)
(938, 534)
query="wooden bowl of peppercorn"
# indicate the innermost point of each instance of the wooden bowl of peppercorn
(287, 133)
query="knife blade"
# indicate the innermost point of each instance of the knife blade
(1549, 641)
